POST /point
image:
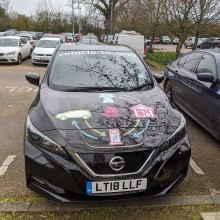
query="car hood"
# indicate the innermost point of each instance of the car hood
(41, 50)
(87, 121)
(8, 49)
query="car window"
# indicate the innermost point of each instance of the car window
(100, 69)
(207, 65)
(182, 60)
(191, 61)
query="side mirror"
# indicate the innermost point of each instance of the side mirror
(159, 77)
(205, 77)
(33, 78)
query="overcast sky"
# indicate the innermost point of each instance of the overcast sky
(28, 6)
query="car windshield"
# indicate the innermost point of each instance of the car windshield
(27, 37)
(6, 42)
(88, 40)
(165, 37)
(69, 34)
(48, 43)
(77, 70)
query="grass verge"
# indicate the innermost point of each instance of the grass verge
(156, 64)
(168, 213)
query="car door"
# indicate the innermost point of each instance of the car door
(186, 76)
(204, 95)
(22, 48)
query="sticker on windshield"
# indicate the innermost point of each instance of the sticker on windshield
(129, 54)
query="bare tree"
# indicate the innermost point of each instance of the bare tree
(204, 14)
(177, 15)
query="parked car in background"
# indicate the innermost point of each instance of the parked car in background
(69, 35)
(13, 32)
(189, 42)
(110, 39)
(101, 128)
(4, 34)
(44, 50)
(14, 49)
(147, 41)
(88, 39)
(211, 43)
(165, 40)
(156, 40)
(175, 40)
(32, 39)
(133, 40)
(61, 36)
(91, 35)
(193, 83)
(102, 37)
(78, 36)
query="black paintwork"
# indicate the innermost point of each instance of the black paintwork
(198, 98)
(64, 179)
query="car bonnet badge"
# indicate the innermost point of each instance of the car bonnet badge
(117, 163)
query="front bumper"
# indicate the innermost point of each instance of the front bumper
(41, 59)
(64, 180)
(8, 59)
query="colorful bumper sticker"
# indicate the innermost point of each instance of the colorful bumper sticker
(115, 137)
(142, 111)
(111, 112)
(107, 97)
(85, 114)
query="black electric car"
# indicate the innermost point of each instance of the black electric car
(102, 128)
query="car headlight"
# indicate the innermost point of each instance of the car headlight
(34, 54)
(177, 135)
(11, 53)
(35, 137)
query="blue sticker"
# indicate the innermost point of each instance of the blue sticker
(89, 187)
(107, 97)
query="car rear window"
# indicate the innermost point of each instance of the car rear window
(74, 69)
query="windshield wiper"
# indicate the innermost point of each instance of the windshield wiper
(147, 85)
(84, 89)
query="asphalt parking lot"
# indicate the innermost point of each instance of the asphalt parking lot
(16, 95)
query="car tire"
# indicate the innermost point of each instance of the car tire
(185, 46)
(19, 59)
(168, 89)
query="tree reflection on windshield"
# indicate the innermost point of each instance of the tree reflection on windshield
(98, 69)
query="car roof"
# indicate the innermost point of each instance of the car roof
(96, 47)
(50, 38)
(12, 37)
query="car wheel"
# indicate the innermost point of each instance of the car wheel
(19, 59)
(185, 46)
(168, 90)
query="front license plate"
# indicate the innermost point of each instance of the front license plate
(44, 58)
(116, 186)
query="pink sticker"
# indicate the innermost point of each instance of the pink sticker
(111, 112)
(115, 137)
(142, 111)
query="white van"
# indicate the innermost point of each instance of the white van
(131, 39)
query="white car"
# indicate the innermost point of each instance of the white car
(44, 50)
(14, 49)
(189, 42)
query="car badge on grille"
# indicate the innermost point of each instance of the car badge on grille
(117, 163)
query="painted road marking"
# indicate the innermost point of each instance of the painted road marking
(210, 215)
(19, 89)
(195, 167)
(6, 164)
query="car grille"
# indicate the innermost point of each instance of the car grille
(1, 54)
(99, 162)
(3, 60)
(48, 55)
(40, 54)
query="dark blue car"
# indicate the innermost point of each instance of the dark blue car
(193, 83)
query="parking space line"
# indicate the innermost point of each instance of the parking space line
(210, 215)
(6, 164)
(195, 167)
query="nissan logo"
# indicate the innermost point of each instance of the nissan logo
(117, 163)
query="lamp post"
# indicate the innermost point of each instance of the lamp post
(73, 16)
(111, 4)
